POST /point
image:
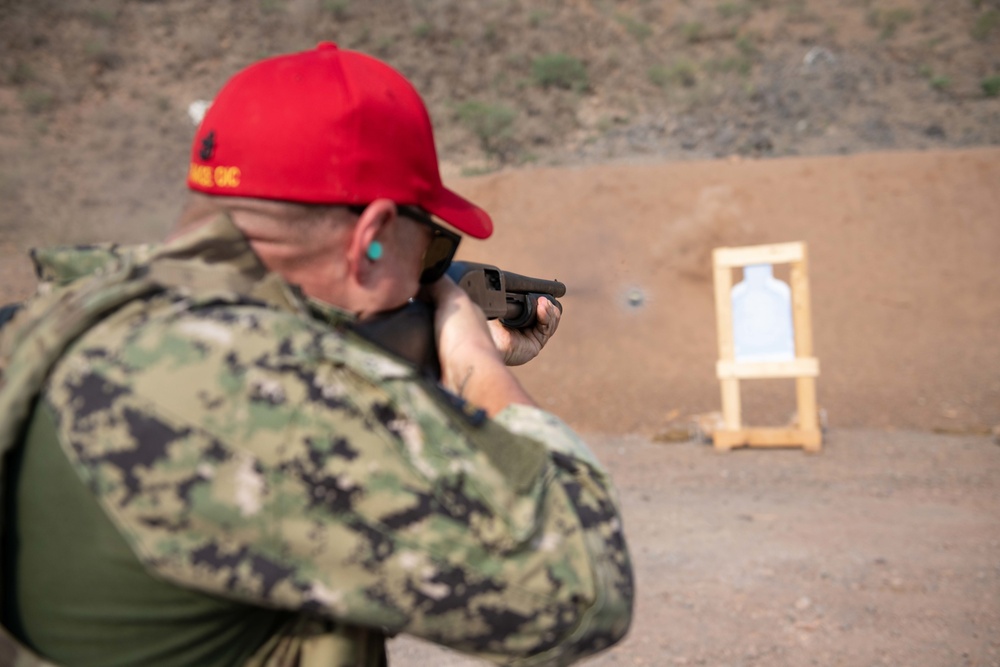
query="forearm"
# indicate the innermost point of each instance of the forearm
(484, 380)
(471, 365)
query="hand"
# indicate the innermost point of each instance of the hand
(519, 346)
(471, 364)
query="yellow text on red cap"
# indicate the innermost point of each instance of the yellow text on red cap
(214, 177)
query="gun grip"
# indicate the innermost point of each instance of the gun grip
(407, 332)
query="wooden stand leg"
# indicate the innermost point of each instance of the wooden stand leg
(805, 393)
(731, 410)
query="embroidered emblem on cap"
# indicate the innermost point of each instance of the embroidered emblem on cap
(207, 146)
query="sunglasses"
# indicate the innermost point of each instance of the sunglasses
(442, 248)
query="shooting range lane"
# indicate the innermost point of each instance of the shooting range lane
(903, 251)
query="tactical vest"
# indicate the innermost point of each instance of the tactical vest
(34, 340)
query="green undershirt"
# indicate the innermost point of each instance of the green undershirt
(81, 597)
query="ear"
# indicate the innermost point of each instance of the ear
(370, 227)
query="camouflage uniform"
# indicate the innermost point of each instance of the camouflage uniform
(247, 443)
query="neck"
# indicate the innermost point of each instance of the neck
(306, 246)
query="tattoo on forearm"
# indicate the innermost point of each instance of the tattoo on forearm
(464, 382)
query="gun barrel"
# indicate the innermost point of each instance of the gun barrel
(515, 282)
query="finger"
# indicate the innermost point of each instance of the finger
(547, 316)
(501, 334)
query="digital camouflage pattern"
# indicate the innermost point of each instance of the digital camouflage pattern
(247, 443)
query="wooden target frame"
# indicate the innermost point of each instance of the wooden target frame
(804, 368)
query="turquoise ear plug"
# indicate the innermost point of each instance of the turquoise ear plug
(374, 251)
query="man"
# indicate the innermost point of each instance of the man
(208, 465)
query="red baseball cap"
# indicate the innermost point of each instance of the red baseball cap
(326, 126)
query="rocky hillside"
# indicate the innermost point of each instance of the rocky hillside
(94, 93)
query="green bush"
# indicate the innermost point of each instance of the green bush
(559, 70)
(747, 47)
(681, 72)
(337, 8)
(636, 28)
(537, 17)
(936, 81)
(270, 6)
(101, 17)
(991, 86)
(21, 74)
(422, 30)
(659, 75)
(985, 24)
(888, 21)
(493, 125)
(739, 64)
(693, 32)
(38, 100)
(940, 82)
(728, 10)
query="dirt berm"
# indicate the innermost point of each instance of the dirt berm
(903, 252)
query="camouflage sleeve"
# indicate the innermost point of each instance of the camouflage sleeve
(246, 453)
